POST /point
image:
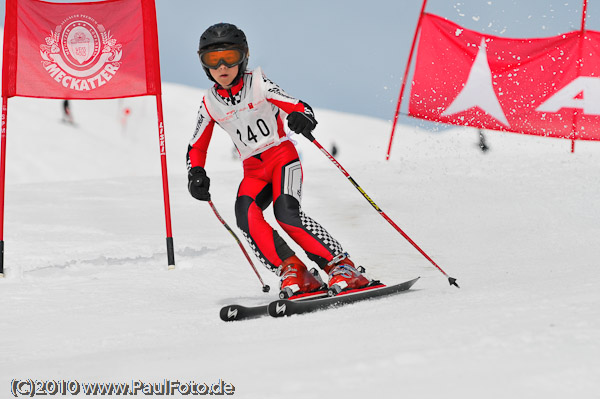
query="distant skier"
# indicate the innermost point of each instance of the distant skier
(334, 150)
(251, 109)
(67, 117)
(482, 144)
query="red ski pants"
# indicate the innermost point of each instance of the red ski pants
(275, 176)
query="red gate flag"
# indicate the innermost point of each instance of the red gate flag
(542, 86)
(91, 50)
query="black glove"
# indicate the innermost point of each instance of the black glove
(198, 183)
(303, 122)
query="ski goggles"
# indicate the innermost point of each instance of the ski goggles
(229, 57)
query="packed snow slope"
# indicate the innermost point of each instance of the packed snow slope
(87, 295)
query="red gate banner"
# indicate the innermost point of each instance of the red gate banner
(91, 50)
(542, 86)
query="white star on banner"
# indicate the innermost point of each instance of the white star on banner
(478, 91)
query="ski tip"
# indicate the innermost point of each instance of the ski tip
(452, 281)
(266, 288)
(223, 314)
(230, 313)
(279, 308)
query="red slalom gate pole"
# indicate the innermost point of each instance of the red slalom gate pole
(165, 182)
(265, 287)
(2, 180)
(578, 65)
(401, 95)
(451, 280)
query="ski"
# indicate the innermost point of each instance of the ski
(284, 307)
(239, 312)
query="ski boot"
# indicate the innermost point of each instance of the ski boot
(344, 276)
(296, 279)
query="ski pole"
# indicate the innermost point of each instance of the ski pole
(265, 287)
(451, 280)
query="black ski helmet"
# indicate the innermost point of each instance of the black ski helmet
(227, 35)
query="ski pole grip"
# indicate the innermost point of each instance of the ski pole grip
(309, 136)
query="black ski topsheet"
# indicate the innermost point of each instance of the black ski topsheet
(284, 307)
(239, 312)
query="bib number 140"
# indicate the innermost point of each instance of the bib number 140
(261, 126)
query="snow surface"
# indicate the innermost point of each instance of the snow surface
(87, 295)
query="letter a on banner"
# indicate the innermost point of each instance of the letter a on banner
(92, 50)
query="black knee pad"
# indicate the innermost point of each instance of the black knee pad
(287, 210)
(242, 204)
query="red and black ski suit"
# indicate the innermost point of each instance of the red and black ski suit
(251, 113)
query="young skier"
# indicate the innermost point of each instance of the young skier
(251, 109)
